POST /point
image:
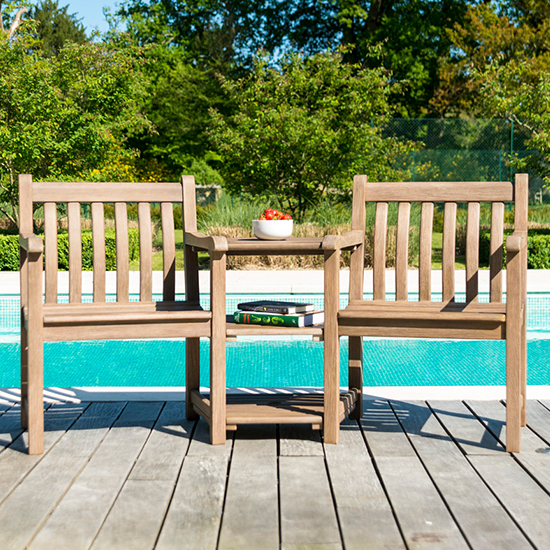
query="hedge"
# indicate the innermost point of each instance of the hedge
(538, 248)
(9, 250)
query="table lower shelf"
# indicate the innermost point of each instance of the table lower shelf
(275, 409)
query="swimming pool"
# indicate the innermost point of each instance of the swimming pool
(278, 361)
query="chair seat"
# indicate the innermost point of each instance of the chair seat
(423, 319)
(113, 320)
(115, 312)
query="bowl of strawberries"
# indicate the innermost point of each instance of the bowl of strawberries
(272, 225)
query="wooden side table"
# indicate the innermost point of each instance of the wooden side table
(222, 414)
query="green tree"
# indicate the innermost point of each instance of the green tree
(516, 32)
(302, 130)
(55, 26)
(519, 93)
(65, 116)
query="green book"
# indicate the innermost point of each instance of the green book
(279, 320)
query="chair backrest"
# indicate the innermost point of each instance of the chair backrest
(72, 199)
(447, 195)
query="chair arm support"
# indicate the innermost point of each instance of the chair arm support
(31, 243)
(516, 242)
(206, 242)
(347, 240)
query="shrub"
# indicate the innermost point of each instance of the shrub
(538, 248)
(9, 250)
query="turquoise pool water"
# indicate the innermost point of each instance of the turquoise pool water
(278, 362)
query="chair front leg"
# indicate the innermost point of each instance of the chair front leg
(192, 375)
(34, 401)
(217, 349)
(331, 418)
(355, 366)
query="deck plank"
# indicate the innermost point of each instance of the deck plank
(80, 514)
(493, 414)
(10, 426)
(466, 429)
(252, 492)
(366, 518)
(308, 515)
(519, 493)
(30, 502)
(194, 516)
(137, 515)
(16, 463)
(421, 513)
(482, 520)
(300, 440)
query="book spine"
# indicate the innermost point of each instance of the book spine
(267, 309)
(261, 319)
(275, 309)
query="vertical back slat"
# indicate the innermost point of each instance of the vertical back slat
(425, 252)
(98, 242)
(75, 252)
(168, 251)
(402, 251)
(449, 246)
(50, 251)
(497, 250)
(145, 252)
(379, 251)
(472, 252)
(122, 254)
(191, 261)
(357, 256)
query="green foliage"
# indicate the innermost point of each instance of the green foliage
(9, 250)
(538, 248)
(64, 116)
(304, 129)
(55, 26)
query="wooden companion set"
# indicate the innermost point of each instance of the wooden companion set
(47, 320)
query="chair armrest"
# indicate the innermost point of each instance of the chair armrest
(31, 243)
(516, 241)
(347, 240)
(205, 242)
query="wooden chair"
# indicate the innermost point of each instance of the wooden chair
(53, 321)
(449, 318)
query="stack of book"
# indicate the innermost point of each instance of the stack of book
(268, 312)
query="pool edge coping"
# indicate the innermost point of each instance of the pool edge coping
(11, 396)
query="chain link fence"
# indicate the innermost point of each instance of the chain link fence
(464, 150)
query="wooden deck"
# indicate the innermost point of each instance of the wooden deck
(410, 475)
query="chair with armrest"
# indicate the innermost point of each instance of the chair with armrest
(448, 318)
(47, 320)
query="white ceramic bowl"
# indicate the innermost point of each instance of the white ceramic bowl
(272, 230)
